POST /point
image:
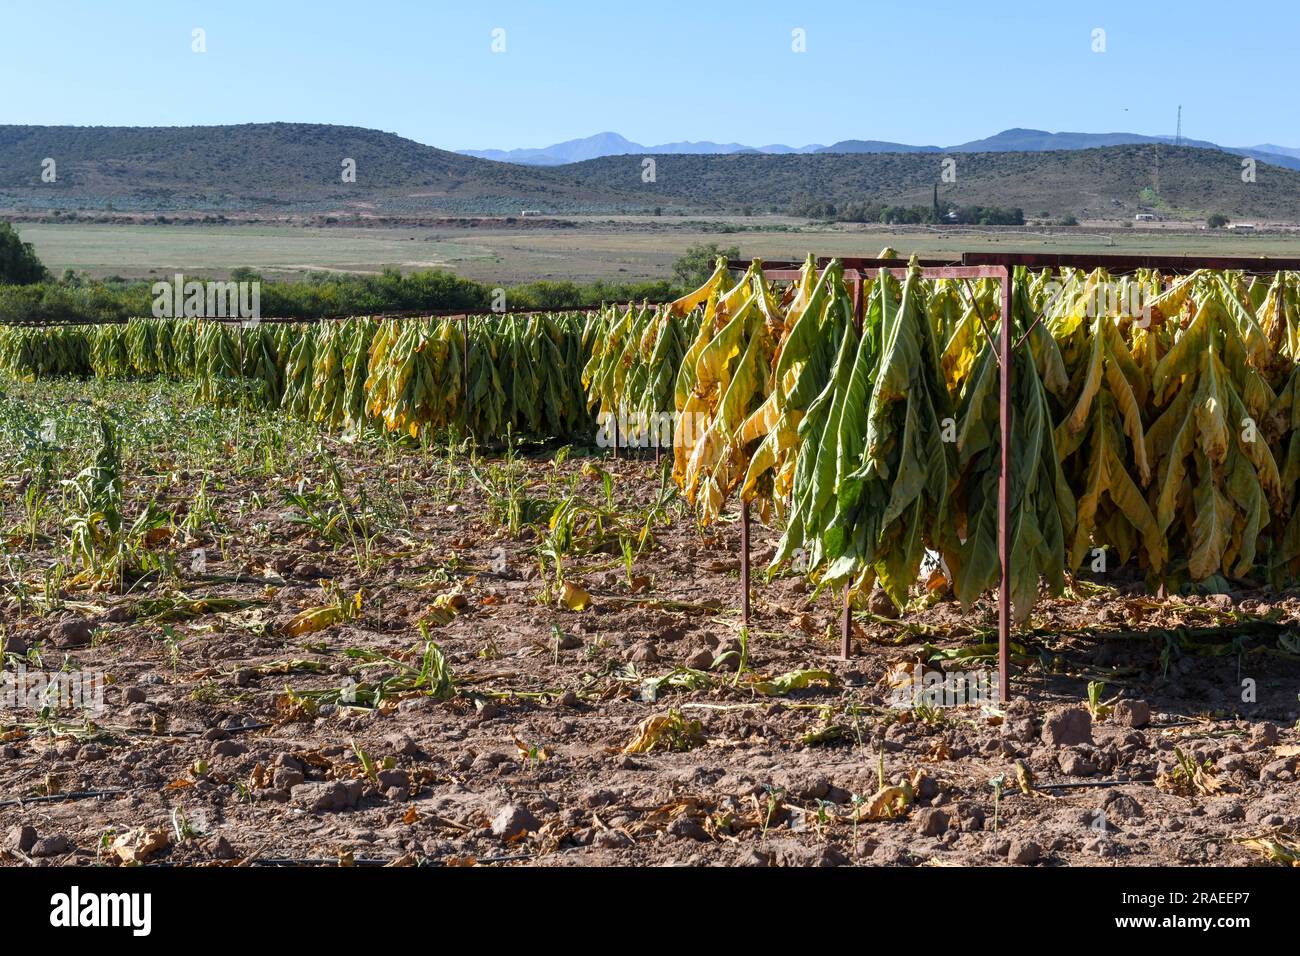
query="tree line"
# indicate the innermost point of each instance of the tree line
(28, 293)
(890, 214)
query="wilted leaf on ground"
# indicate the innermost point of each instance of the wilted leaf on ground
(313, 620)
(318, 618)
(252, 620)
(293, 708)
(937, 582)
(827, 734)
(670, 731)
(575, 597)
(793, 680)
(1275, 849)
(443, 609)
(939, 750)
(1188, 778)
(888, 804)
(529, 753)
(288, 667)
(679, 678)
(904, 674)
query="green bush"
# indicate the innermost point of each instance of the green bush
(695, 267)
(76, 299)
(18, 261)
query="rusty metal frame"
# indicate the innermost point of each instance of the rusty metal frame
(856, 274)
(1177, 265)
(1000, 266)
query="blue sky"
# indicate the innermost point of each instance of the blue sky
(660, 70)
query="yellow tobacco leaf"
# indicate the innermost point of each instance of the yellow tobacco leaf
(1212, 530)
(887, 804)
(670, 731)
(761, 423)
(575, 597)
(712, 285)
(314, 619)
(443, 609)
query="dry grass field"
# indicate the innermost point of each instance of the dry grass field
(630, 248)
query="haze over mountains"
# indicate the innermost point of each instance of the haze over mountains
(1011, 140)
(612, 144)
(279, 170)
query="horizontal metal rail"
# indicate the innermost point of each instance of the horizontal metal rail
(1180, 265)
(927, 272)
(849, 262)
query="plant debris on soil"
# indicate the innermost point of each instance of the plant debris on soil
(378, 651)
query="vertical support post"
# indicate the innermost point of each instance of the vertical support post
(239, 333)
(744, 561)
(846, 625)
(464, 371)
(857, 301)
(1004, 492)
(846, 614)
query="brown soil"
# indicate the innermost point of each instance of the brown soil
(206, 728)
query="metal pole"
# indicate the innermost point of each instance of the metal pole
(464, 370)
(1004, 502)
(239, 334)
(846, 615)
(846, 624)
(744, 561)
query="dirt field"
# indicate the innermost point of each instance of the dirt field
(626, 249)
(227, 733)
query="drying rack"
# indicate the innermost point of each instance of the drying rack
(1000, 266)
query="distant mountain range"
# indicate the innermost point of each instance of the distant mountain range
(1277, 150)
(1108, 182)
(297, 169)
(612, 144)
(261, 167)
(1011, 140)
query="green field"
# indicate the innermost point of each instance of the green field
(624, 249)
